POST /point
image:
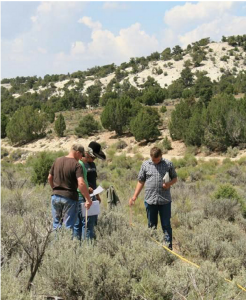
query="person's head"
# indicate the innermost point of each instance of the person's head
(94, 151)
(78, 151)
(156, 155)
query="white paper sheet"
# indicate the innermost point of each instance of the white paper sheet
(97, 191)
(93, 210)
(166, 178)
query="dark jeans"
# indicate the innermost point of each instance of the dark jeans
(165, 217)
(80, 224)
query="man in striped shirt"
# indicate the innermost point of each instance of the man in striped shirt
(157, 191)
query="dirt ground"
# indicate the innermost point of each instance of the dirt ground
(108, 139)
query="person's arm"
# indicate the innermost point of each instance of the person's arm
(84, 191)
(167, 185)
(50, 179)
(138, 189)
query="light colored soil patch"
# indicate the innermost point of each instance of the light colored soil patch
(109, 138)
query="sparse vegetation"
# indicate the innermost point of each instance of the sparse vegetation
(208, 227)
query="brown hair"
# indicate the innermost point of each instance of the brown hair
(155, 152)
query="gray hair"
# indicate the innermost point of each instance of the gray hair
(78, 147)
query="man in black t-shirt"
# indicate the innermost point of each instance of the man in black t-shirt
(65, 177)
(92, 152)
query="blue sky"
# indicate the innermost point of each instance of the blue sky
(52, 37)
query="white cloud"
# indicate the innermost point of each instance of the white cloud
(34, 19)
(131, 41)
(179, 17)
(44, 7)
(49, 33)
(77, 48)
(114, 5)
(17, 46)
(53, 7)
(105, 48)
(55, 31)
(193, 21)
(42, 50)
(227, 26)
(89, 23)
(134, 42)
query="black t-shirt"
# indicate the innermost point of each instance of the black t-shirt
(65, 172)
(91, 174)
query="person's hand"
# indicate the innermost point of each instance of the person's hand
(88, 204)
(98, 198)
(90, 190)
(132, 201)
(166, 185)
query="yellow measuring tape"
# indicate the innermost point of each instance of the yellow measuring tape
(179, 256)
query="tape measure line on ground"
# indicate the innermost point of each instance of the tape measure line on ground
(181, 257)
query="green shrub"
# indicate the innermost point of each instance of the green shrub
(226, 191)
(179, 163)
(4, 122)
(232, 152)
(121, 162)
(224, 58)
(163, 109)
(242, 161)
(166, 143)
(190, 160)
(60, 125)
(16, 155)
(120, 145)
(191, 150)
(106, 184)
(111, 153)
(41, 165)
(225, 209)
(87, 126)
(4, 152)
(183, 174)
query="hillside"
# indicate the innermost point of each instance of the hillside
(219, 58)
(221, 66)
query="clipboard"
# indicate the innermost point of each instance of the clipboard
(94, 210)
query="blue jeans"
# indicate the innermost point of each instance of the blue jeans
(64, 210)
(79, 226)
(165, 216)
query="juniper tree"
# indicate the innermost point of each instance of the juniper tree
(60, 125)
(145, 125)
(26, 125)
(87, 126)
